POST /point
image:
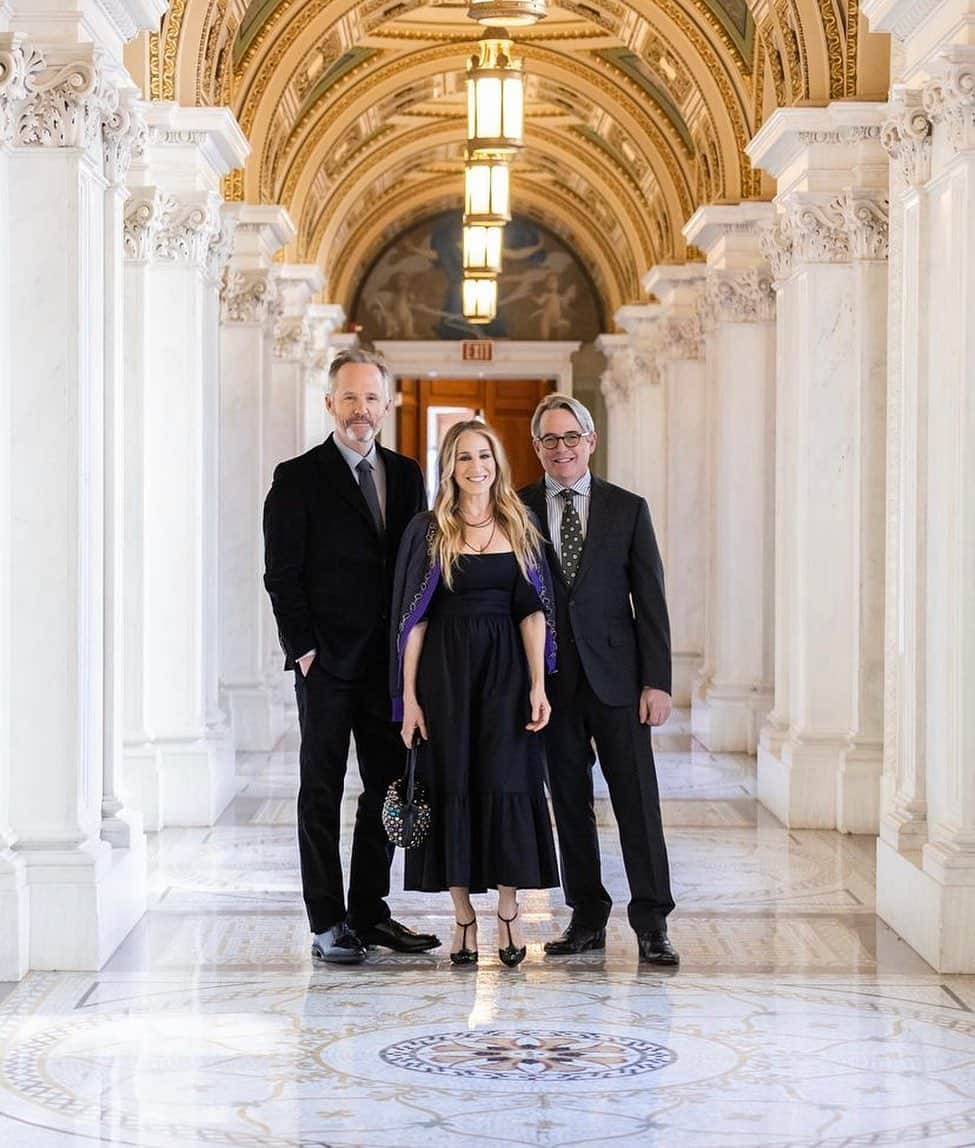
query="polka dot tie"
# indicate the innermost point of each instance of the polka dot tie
(570, 537)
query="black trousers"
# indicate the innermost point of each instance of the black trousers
(331, 710)
(626, 758)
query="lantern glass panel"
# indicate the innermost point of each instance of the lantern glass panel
(482, 249)
(480, 300)
(489, 110)
(514, 108)
(487, 189)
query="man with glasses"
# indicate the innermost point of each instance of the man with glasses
(612, 685)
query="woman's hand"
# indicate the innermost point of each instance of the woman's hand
(413, 720)
(541, 710)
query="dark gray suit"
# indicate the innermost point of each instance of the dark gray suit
(614, 639)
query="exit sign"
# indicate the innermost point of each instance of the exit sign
(481, 351)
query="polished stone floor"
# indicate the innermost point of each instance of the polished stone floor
(797, 1018)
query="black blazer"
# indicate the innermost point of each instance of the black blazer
(614, 618)
(327, 570)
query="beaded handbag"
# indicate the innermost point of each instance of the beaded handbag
(406, 811)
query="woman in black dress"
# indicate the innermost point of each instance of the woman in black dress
(472, 645)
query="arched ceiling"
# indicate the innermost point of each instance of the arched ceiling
(638, 111)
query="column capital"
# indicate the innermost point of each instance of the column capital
(639, 320)
(66, 99)
(738, 297)
(906, 136)
(189, 227)
(297, 283)
(949, 96)
(676, 284)
(145, 210)
(324, 319)
(108, 23)
(222, 244)
(248, 296)
(124, 136)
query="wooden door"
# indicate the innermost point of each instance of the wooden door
(505, 404)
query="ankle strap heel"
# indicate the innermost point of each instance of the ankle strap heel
(509, 955)
(464, 955)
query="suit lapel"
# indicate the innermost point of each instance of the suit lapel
(341, 481)
(596, 526)
(536, 499)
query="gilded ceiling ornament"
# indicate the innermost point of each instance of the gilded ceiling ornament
(507, 13)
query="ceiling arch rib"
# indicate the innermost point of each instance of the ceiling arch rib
(612, 212)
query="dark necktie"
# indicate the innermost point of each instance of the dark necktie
(367, 484)
(570, 538)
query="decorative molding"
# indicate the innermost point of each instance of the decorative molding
(124, 135)
(19, 66)
(188, 230)
(291, 339)
(146, 209)
(221, 246)
(775, 241)
(856, 133)
(818, 231)
(949, 98)
(248, 296)
(681, 337)
(866, 216)
(67, 106)
(906, 137)
(738, 297)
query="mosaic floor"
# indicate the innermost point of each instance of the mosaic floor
(797, 1019)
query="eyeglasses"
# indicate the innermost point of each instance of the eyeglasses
(573, 438)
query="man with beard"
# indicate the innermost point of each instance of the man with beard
(333, 521)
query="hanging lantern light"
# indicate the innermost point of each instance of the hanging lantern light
(482, 249)
(487, 196)
(495, 96)
(507, 13)
(480, 300)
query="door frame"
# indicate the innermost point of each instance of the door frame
(510, 359)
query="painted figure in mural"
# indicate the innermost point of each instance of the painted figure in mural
(613, 682)
(333, 522)
(552, 319)
(474, 637)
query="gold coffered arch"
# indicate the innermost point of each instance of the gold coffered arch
(639, 111)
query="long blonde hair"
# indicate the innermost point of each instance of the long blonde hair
(509, 510)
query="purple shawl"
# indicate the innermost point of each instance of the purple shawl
(416, 581)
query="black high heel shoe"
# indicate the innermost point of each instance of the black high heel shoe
(509, 955)
(464, 955)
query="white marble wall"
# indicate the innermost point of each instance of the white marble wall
(733, 691)
(249, 307)
(324, 321)
(926, 851)
(180, 768)
(68, 132)
(821, 750)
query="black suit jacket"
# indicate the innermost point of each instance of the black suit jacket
(613, 621)
(327, 569)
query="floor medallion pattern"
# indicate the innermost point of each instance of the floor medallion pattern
(539, 1054)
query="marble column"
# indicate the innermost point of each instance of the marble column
(249, 307)
(284, 426)
(14, 905)
(733, 691)
(644, 419)
(180, 770)
(64, 120)
(324, 320)
(616, 385)
(926, 850)
(679, 358)
(820, 756)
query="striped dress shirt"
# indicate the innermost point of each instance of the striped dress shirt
(555, 504)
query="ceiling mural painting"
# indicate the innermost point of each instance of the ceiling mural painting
(637, 112)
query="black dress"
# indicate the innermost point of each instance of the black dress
(483, 768)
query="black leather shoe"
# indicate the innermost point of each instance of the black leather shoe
(392, 935)
(576, 939)
(656, 949)
(338, 946)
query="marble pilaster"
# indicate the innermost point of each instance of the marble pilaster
(324, 320)
(733, 691)
(180, 768)
(820, 753)
(926, 850)
(617, 388)
(64, 123)
(679, 357)
(249, 309)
